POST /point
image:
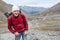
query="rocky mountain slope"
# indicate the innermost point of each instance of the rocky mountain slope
(4, 7)
(49, 19)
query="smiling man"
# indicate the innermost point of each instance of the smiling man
(17, 24)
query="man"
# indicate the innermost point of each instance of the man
(17, 24)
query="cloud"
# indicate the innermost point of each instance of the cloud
(38, 3)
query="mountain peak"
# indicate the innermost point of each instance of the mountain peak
(56, 7)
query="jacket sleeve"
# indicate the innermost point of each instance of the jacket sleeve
(10, 26)
(25, 22)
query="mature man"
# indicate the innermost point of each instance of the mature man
(17, 24)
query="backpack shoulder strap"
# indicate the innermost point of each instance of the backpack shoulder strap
(11, 19)
(11, 22)
(23, 20)
(22, 16)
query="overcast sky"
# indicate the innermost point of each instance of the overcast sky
(37, 3)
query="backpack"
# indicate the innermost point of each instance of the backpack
(7, 14)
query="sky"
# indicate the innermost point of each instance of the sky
(33, 3)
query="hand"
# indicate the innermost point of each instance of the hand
(16, 33)
(26, 32)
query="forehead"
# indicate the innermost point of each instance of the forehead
(15, 10)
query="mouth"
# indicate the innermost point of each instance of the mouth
(16, 13)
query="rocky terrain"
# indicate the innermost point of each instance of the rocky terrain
(33, 34)
(42, 26)
(4, 7)
(49, 19)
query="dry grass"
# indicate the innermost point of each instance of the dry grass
(3, 25)
(45, 29)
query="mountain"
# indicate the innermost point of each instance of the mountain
(48, 19)
(55, 10)
(4, 7)
(32, 10)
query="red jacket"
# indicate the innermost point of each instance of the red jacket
(18, 23)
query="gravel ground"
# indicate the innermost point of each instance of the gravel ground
(34, 35)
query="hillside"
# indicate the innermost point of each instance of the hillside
(49, 19)
(4, 7)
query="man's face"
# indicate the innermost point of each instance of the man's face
(16, 12)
